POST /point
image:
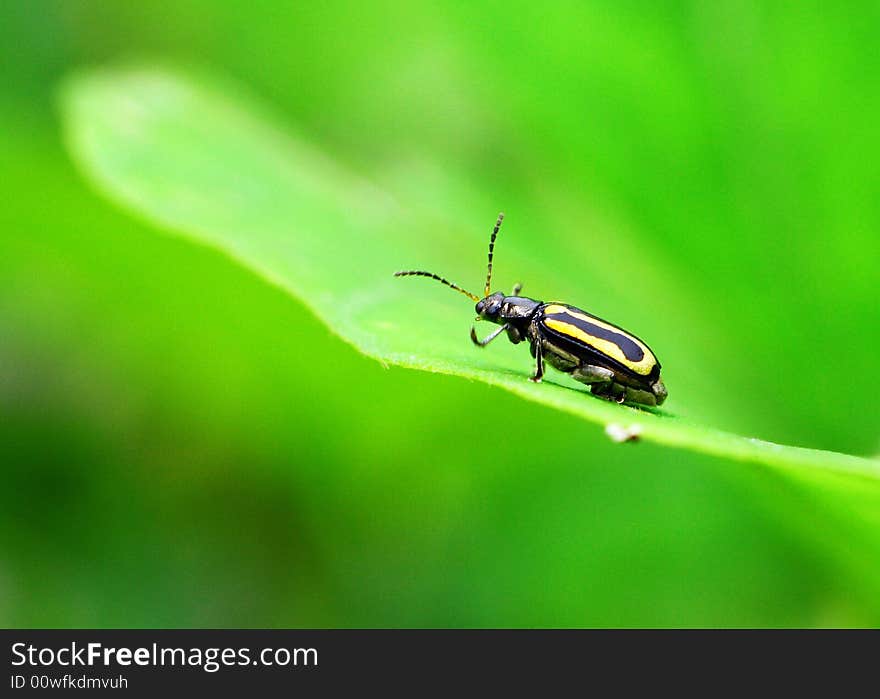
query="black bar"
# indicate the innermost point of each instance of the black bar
(417, 660)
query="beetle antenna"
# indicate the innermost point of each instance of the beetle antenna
(431, 275)
(491, 252)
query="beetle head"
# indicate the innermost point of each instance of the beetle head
(489, 308)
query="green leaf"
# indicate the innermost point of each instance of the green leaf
(203, 160)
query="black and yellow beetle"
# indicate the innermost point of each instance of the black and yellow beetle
(615, 364)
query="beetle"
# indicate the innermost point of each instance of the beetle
(614, 363)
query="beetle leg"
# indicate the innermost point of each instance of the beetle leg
(539, 362)
(589, 373)
(516, 289)
(492, 336)
(625, 394)
(640, 397)
(609, 391)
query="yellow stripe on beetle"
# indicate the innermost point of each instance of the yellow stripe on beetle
(564, 320)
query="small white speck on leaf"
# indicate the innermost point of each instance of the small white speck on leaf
(619, 433)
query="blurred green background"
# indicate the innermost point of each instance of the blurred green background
(183, 445)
